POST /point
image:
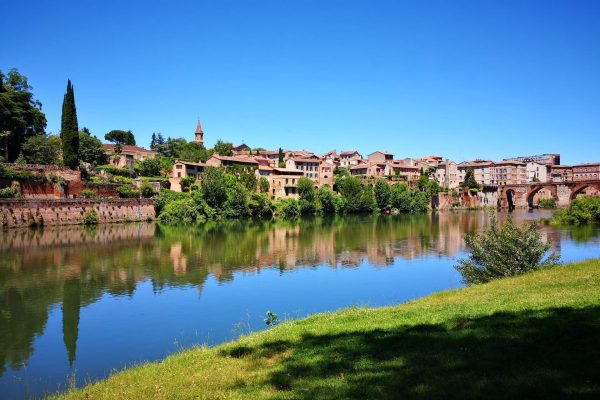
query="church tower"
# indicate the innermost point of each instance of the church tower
(199, 133)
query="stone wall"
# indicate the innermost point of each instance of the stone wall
(23, 213)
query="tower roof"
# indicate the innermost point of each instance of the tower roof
(199, 127)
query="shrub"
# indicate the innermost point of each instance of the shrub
(504, 251)
(128, 191)
(263, 184)
(88, 193)
(149, 167)
(547, 203)
(146, 190)
(288, 208)
(584, 210)
(167, 196)
(237, 202)
(260, 205)
(90, 217)
(214, 187)
(10, 193)
(383, 194)
(326, 199)
(181, 211)
(186, 183)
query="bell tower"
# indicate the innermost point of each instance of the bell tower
(199, 133)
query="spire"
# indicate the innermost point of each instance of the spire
(199, 133)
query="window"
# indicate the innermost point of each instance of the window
(178, 166)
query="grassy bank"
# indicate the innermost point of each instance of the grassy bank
(533, 336)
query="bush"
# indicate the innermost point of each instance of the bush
(405, 200)
(326, 199)
(128, 191)
(181, 211)
(214, 187)
(167, 196)
(10, 193)
(186, 183)
(504, 251)
(263, 185)
(237, 202)
(146, 190)
(383, 194)
(584, 210)
(110, 169)
(288, 208)
(149, 167)
(90, 217)
(88, 193)
(547, 203)
(260, 205)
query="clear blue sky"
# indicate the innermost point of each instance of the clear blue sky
(461, 79)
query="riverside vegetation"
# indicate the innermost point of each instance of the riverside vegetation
(584, 210)
(531, 336)
(238, 193)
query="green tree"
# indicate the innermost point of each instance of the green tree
(383, 194)
(504, 251)
(69, 132)
(280, 161)
(307, 195)
(326, 199)
(469, 182)
(223, 148)
(91, 150)
(149, 167)
(263, 185)
(42, 149)
(214, 188)
(248, 179)
(21, 114)
(118, 136)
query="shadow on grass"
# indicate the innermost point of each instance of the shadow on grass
(544, 354)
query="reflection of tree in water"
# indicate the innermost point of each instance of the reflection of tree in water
(76, 267)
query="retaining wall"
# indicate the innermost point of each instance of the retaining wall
(25, 212)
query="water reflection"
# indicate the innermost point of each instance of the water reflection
(73, 267)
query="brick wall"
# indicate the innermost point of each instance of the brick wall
(23, 213)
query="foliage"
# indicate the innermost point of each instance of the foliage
(128, 191)
(340, 171)
(280, 160)
(271, 319)
(406, 201)
(179, 211)
(11, 192)
(583, 210)
(248, 180)
(91, 150)
(186, 183)
(428, 186)
(326, 199)
(288, 208)
(90, 218)
(42, 149)
(167, 196)
(547, 203)
(307, 195)
(112, 170)
(263, 185)
(88, 193)
(69, 131)
(157, 141)
(149, 167)
(469, 181)
(214, 187)
(358, 197)
(504, 251)
(236, 205)
(260, 205)
(146, 190)
(180, 149)
(21, 115)
(223, 148)
(121, 137)
(383, 194)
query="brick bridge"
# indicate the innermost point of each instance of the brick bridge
(563, 192)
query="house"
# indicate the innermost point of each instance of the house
(446, 174)
(241, 147)
(537, 172)
(185, 169)
(380, 157)
(217, 160)
(561, 173)
(313, 167)
(128, 155)
(508, 172)
(482, 170)
(586, 172)
(349, 158)
(283, 182)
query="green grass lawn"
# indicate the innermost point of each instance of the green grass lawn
(534, 336)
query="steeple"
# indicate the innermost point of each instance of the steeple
(199, 133)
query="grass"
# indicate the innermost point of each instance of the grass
(532, 336)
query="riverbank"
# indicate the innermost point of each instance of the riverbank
(532, 336)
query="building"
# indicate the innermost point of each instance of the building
(508, 172)
(372, 169)
(537, 172)
(185, 169)
(406, 170)
(129, 154)
(314, 168)
(560, 173)
(350, 158)
(380, 157)
(482, 170)
(241, 148)
(544, 159)
(199, 134)
(217, 160)
(429, 161)
(283, 182)
(586, 172)
(446, 174)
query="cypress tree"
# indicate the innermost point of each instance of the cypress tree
(69, 132)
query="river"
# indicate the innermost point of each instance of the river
(78, 303)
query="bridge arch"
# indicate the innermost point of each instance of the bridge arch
(575, 190)
(510, 199)
(535, 189)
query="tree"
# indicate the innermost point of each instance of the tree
(504, 251)
(149, 167)
(248, 179)
(42, 149)
(263, 185)
(223, 148)
(383, 194)
(281, 162)
(21, 115)
(326, 199)
(91, 150)
(214, 188)
(69, 132)
(120, 137)
(307, 195)
(157, 141)
(470, 182)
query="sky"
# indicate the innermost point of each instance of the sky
(459, 79)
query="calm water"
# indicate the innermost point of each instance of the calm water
(76, 303)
